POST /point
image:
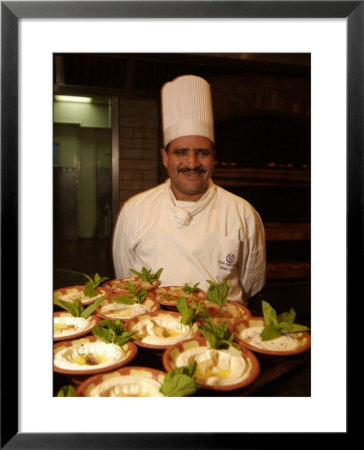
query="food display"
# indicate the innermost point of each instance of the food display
(160, 329)
(143, 280)
(229, 312)
(190, 340)
(66, 326)
(219, 308)
(112, 309)
(272, 334)
(87, 293)
(90, 355)
(72, 293)
(168, 295)
(218, 369)
(125, 382)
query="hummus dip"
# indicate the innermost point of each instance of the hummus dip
(125, 386)
(216, 367)
(284, 343)
(162, 330)
(68, 325)
(88, 355)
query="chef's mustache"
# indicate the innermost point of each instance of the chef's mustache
(197, 170)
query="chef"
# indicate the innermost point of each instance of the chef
(193, 229)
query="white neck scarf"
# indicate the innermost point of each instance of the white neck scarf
(184, 216)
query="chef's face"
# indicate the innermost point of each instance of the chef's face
(189, 161)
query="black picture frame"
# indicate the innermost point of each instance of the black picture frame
(11, 13)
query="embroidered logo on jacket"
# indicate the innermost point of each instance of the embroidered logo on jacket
(228, 265)
(230, 258)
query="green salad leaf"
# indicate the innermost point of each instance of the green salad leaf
(76, 307)
(275, 325)
(112, 332)
(191, 289)
(92, 283)
(180, 381)
(217, 292)
(135, 296)
(191, 314)
(147, 275)
(218, 337)
(66, 391)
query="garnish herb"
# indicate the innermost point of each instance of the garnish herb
(217, 337)
(76, 307)
(66, 391)
(147, 275)
(180, 381)
(92, 283)
(217, 292)
(135, 296)
(191, 289)
(275, 325)
(112, 332)
(191, 314)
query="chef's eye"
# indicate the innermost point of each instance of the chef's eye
(180, 151)
(203, 152)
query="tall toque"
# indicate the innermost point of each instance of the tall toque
(187, 108)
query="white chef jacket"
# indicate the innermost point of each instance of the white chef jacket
(220, 236)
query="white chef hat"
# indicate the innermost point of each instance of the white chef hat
(187, 108)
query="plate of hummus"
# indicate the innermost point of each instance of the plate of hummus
(125, 382)
(230, 312)
(168, 295)
(110, 309)
(247, 333)
(160, 329)
(72, 293)
(217, 369)
(66, 326)
(89, 355)
(119, 285)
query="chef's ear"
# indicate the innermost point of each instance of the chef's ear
(164, 154)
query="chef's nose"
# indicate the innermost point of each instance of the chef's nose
(192, 160)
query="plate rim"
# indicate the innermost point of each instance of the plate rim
(132, 347)
(255, 368)
(299, 350)
(80, 334)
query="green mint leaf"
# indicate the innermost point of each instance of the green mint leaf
(112, 332)
(180, 382)
(89, 290)
(92, 283)
(296, 327)
(276, 326)
(284, 327)
(91, 308)
(147, 275)
(217, 292)
(88, 277)
(71, 307)
(187, 313)
(128, 299)
(287, 316)
(269, 313)
(124, 337)
(141, 295)
(191, 289)
(103, 334)
(270, 332)
(217, 337)
(135, 296)
(66, 391)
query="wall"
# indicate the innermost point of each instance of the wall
(139, 146)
